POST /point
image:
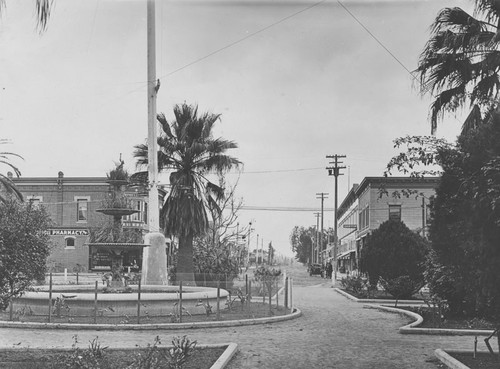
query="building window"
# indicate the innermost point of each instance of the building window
(81, 209)
(145, 214)
(70, 242)
(137, 216)
(395, 212)
(364, 218)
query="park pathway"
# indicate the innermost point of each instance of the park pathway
(333, 332)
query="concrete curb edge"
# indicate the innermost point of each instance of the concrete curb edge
(378, 301)
(412, 328)
(449, 360)
(220, 363)
(167, 326)
(226, 356)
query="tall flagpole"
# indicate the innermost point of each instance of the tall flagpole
(153, 209)
(154, 256)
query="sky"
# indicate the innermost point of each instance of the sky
(294, 81)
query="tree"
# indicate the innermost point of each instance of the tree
(217, 254)
(43, 9)
(223, 227)
(460, 62)
(24, 248)
(464, 261)
(188, 150)
(465, 226)
(6, 184)
(393, 251)
(301, 240)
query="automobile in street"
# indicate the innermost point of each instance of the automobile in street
(315, 269)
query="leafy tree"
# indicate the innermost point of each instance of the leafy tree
(302, 240)
(6, 185)
(460, 62)
(466, 223)
(24, 248)
(43, 9)
(188, 150)
(464, 261)
(392, 251)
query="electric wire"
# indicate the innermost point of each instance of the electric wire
(253, 34)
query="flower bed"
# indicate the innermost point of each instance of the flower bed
(182, 353)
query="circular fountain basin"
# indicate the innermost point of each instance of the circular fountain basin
(156, 300)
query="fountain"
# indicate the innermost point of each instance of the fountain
(115, 296)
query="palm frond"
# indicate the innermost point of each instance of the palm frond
(43, 9)
(447, 100)
(10, 188)
(473, 120)
(215, 190)
(220, 163)
(490, 9)
(165, 125)
(486, 89)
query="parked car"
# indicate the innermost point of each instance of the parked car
(315, 269)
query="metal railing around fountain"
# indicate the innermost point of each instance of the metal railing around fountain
(232, 298)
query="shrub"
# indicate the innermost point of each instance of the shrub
(268, 276)
(24, 248)
(354, 284)
(402, 287)
(392, 251)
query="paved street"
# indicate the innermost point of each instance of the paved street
(333, 332)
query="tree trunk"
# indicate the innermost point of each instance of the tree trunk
(185, 266)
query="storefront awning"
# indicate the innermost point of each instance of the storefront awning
(345, 255)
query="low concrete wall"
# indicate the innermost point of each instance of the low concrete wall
(119, 304)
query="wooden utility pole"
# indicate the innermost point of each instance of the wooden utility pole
(322, 196)
(335, 171)
(248, 243)
(316, 241)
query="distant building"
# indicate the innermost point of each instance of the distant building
(72, 203)
(374, 201)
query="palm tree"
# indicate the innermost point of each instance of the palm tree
(43, 8)
(6, 183)
(460, 63)
(188, 150)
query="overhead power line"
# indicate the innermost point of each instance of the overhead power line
(243, 39)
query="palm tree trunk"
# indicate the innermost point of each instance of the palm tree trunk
(185, 266)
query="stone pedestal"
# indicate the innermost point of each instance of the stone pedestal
(154, 260)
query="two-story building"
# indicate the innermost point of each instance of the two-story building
(71, 203)
(374, 201)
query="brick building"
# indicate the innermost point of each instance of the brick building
(374, 201)
(72, 203)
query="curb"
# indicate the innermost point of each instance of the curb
(166, 326)
(412, 328)
(378, 301)
(220, 363)
(226, 356)
(449, 360)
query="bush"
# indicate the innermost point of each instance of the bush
(24, 248)
(392, 251)
(402, 287)
(269, 277)
(354, 284)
